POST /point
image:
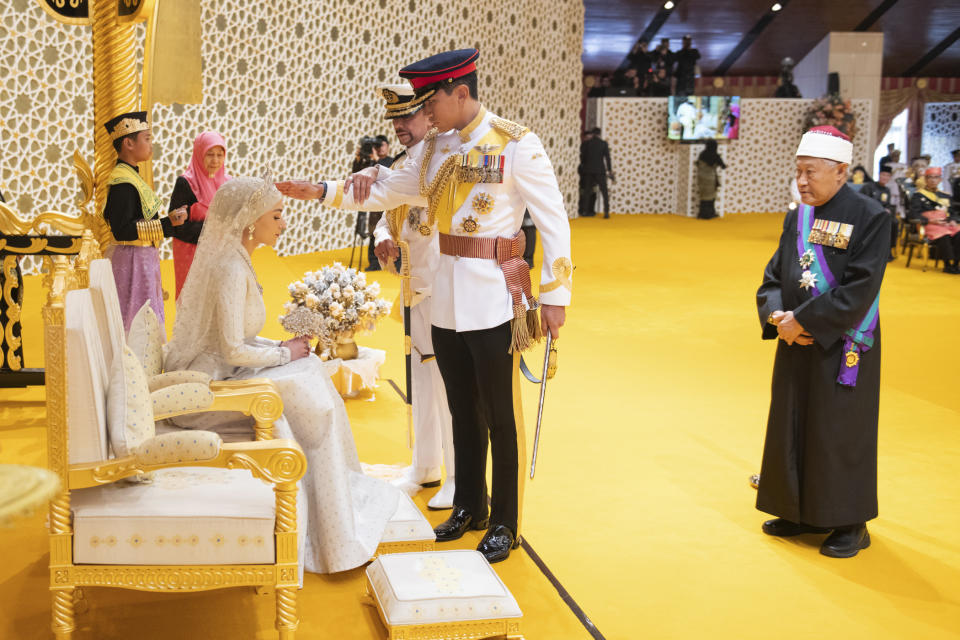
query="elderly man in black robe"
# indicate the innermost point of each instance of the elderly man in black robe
(819, 298)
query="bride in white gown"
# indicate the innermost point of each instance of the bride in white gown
(342, 513)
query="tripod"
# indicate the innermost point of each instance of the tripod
(359, 231)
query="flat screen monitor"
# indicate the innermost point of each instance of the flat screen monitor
(698, 118)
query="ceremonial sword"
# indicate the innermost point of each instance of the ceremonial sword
(407, 292)
(549, 370)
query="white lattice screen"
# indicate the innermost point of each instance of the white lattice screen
(760, 163)
(290, 86)
(941, 131)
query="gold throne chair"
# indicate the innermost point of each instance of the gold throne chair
(212, 515)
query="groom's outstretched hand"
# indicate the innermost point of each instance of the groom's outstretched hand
(300, 189)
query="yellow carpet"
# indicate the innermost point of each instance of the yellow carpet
(641, 506)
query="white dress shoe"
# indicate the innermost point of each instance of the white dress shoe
(423, 476)
(443, 499)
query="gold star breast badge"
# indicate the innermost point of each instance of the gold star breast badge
(852, 358)
(469, 225)
(483, 203)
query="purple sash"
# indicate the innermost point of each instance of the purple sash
(856, 340)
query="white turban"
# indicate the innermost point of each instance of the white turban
(826, 142)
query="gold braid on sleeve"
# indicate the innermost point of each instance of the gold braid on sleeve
(150, 231)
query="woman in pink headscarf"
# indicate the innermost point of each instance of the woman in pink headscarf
(195, 189)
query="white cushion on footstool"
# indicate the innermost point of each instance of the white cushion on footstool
(434, 587)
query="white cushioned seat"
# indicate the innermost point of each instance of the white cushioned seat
(184, 516)
(437, 587)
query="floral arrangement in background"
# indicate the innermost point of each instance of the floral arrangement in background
(831, 110)
(333, 304)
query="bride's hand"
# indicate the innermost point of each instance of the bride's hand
(299, 347)
(300, 189)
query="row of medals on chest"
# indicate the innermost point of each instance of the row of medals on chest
(484, 168)
(809, 279)
(828, 233)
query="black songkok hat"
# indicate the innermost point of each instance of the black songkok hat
(127, 123)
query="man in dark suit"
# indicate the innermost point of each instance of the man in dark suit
(880, 192)
(595, 167)
(887, 159)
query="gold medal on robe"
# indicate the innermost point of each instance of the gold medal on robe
(424, 230)
(852, 358)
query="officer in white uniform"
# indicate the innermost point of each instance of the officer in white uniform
(475, 180)
(432, 424)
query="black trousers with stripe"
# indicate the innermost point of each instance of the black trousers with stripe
(477, 372)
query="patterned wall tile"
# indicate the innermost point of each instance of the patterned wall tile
(941, 131)
(760, 164)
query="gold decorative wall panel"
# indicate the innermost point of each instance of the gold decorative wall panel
(290, 86)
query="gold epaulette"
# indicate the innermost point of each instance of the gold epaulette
(512, 129)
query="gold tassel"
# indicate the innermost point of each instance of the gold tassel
(533, 325)
(525, 328)
(518, 328)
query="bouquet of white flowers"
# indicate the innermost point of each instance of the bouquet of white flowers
(333, 304)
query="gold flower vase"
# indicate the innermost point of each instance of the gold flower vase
(344, 348)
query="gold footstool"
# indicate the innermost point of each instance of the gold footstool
(442, 595)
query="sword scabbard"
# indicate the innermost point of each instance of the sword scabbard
(548, 351)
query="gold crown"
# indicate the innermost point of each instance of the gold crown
(128, 126)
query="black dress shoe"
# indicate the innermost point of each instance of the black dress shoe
(785, 528)
(846, 542)
(459, 522)
(497, 543)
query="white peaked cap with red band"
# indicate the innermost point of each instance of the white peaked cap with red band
(826, 142)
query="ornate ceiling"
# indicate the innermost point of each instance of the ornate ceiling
(912, 28)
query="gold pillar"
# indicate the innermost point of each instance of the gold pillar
(115, 84)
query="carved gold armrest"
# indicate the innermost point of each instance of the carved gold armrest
(255, 397)
(279, 462)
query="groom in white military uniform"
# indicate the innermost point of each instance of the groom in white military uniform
(432, 424)
(475, 180)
